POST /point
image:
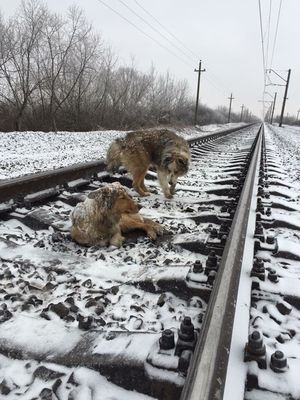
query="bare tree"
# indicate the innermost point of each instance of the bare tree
(56, 73)
(21, 39)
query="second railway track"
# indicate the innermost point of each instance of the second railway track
(142, 315)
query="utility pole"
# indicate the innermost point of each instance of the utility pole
(273, 108)
(285, 97)
(242, 107)
(229, 112)
(199, 70)
(298, 115)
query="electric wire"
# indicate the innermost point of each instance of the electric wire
(276, 33)
(268, 32)
(157, 30)
(209, 80)
(263, 56)
(262, 36)
(143, 32)
(215, 84)
(165, 29)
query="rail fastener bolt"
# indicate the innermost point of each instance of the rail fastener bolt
(186, 336)
(267, 195)
(211, 262)
(260, 191)
(259, 232)
(258, 269)
(255, 350)
(167, 341)
(260, 207)
(223, 239)
(223, 209)
(224, 229)
(211, 277)
(197, 267)
(272, 276)
(278, 362)
(270, 239)
(184, 361)
(258, 217)
(214, 233)
(268, 212)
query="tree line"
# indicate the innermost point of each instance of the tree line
(56, 73)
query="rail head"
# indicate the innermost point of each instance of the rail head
(207, 372)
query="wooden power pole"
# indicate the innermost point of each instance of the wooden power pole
(285, 97)
(199, 70)
(229, 112)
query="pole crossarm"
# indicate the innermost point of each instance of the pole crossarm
(273, 84)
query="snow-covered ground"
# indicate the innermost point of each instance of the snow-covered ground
(23, 153)
(55, 268)
(28, 152)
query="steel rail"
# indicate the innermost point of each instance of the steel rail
(21, 186)
(18, 187)
(207, 373)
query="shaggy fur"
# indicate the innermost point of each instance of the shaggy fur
(106, 214)
(162, 149)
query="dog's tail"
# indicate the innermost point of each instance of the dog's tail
(113, 157)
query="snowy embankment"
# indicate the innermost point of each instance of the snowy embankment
(23, 153)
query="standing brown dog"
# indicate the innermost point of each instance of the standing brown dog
(105, 214)
(162, 149)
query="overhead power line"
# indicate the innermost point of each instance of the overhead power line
(166, 30)
(267, 60)
(143, 32)
(210, 80)
(215, 81)
(276, 33)
(262, 36)
(156, 30)
(268, 32)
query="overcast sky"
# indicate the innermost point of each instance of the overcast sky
(224, 34)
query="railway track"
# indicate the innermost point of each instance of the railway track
(157, 320)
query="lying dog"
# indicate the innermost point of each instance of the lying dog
(162, 149)
(106, 214)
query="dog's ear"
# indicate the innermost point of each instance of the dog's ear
(109, 195)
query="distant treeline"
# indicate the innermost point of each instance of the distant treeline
(57, 74)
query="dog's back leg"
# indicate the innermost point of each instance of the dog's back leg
(138, 181)
(144, 187)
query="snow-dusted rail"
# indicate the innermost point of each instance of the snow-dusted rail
(135, 314)
(207, 374)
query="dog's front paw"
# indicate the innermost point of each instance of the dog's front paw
(172, 189)
(168, 195)
(151, 233)
(116, 241)
(154, 231)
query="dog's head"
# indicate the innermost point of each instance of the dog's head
(114, 199)
(176, 163)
